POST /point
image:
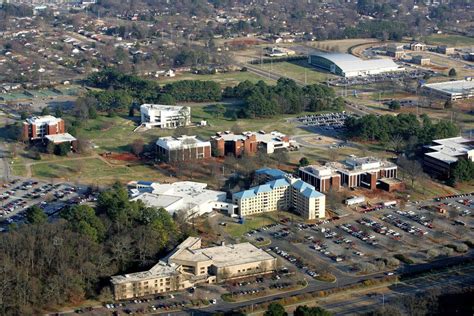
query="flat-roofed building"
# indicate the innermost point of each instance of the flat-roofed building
(420, 60)
(38, 127)
(440, 158)
(352, 172)
(225, 143)
(418, 47)
(189, 264)
(395, 50)
(183, 148)
(450, 90)
(187, 196)
(165, 116)
(347, 65)
(443, 49)
(281, 194)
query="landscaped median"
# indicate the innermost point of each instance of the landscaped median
(262, 292)
(301, 298)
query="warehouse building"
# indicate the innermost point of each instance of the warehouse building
(228, 143)
(191, 197)
(189, 264)
(450, 90)
(165, 116)
(347, 65)
(441, 157)
(281, 194)
(183, 148)
(354, 172)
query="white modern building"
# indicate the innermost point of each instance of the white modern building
(347, 65)
(451, 90)
(165, 116)
(191, 197)
(441, 157)
(282, 194)
(183, 148)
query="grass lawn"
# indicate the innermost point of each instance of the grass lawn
(92, 171)
(250, 223)
(224, 79)
(450, 40)
(298, 70)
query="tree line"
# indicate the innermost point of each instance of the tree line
(44, 265)
(143, 90)
(263, 100)
(406, 127)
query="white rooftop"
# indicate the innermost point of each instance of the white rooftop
(183, 141)
(449, 149)
(261, 136)
(161, 107)
(351, 63)
(452, 87)
(60, 138)
(45, 119)
(180, 195)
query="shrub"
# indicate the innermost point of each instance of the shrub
(403, 258)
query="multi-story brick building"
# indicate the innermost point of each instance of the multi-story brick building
(183, 148)
(38, 127)
(225, 143)
(353, 172)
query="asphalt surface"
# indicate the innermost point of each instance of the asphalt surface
(441, 280)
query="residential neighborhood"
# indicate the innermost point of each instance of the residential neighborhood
(219, 157)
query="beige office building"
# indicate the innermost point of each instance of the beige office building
(189, 264)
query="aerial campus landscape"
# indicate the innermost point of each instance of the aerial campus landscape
(232, 157)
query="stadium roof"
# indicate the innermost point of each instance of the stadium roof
(349, 63)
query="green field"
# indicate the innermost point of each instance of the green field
(92, 170)
(450, 40)
(224, 79)
(297, 70)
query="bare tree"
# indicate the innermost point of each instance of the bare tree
(412, 168)
(137, 146)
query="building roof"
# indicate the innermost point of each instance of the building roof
(161, 107)
(261, 136)
(177, 195)
(449, 149)
(60, 138)
(235, 254)
(457, 87)
(161, 269)
(267, 187)
(183, 141)
(350, 63)
(45, 119)
(273, 173)
(306, 189)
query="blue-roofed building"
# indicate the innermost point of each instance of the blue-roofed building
(268, 174)
(283, 193)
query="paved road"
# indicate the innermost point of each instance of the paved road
(441, 279)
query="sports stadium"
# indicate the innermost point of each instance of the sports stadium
(347, 65)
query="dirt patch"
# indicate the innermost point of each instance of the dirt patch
(128, 157)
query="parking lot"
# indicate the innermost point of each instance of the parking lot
(18, 195)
